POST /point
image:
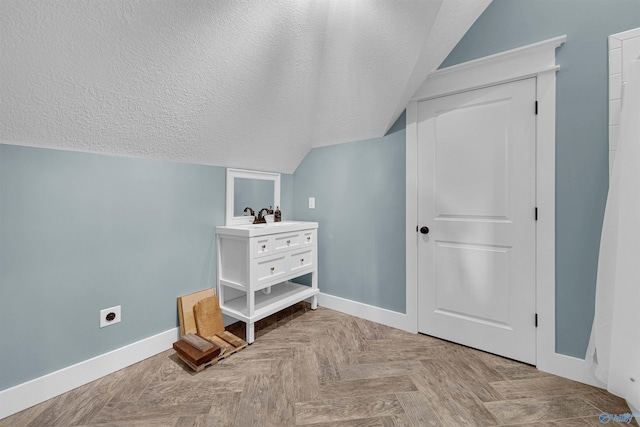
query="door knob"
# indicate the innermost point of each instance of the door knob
(424, 230)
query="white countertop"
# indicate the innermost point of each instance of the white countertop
(253, 230)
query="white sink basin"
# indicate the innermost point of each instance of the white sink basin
(251, 230)
(270, 224)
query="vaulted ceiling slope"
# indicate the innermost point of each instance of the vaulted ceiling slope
(253, 84)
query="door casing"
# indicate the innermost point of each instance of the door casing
(535, 60)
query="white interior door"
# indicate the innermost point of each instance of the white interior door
(476, 184)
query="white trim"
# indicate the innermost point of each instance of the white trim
(546, 357)
(626, 35)
(365, 311)
(515, 64)
(411, 222)
(572, 368)
(535, 60)
(248, 174)
(25, 395)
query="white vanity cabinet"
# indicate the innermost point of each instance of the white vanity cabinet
(255, 264)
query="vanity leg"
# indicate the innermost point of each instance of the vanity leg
(314, 284)
(249, 332)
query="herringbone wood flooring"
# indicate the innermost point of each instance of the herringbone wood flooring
(325, 368)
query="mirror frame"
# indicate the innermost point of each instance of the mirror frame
(232, 174)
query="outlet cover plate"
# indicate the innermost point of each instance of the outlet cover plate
(117, 316)
(312, 202)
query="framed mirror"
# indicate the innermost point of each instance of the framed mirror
(252, 189)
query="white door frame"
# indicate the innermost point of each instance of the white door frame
(536, 60)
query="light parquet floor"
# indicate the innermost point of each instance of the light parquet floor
(325, 368)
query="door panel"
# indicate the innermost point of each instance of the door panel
(473, 183)
(482, 282)
(476, 181)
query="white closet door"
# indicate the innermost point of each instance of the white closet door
(476, 184)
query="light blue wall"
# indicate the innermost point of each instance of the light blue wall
(82, 232)
(581, 132)
(360, 206)
(286, 196)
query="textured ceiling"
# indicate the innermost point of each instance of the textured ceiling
(251, 84)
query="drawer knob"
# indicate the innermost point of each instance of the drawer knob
(264, 246)
(288, 241)
(273, 268)
(308, 237)
(301, 259)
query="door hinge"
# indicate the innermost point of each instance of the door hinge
(536, 213)
(536, 320)
(536, 108)
(416, 228)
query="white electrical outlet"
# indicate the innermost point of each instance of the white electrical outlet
(312, 202)
(109, 316)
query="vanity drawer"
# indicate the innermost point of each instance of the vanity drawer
(270, 269)
(309, 238)
(301, 259)
(262, 246)
(286, 241)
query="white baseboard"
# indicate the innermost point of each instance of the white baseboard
(570, 367)
(25, 395)
(365, 311)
